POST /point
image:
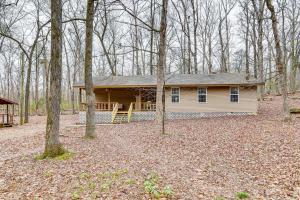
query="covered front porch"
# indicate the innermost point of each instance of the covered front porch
(121, 103)
(140, 99)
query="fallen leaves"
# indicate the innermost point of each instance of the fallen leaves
(204, 158)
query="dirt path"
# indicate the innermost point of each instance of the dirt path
(14, 140)
(36, 125)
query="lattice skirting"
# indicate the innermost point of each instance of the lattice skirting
(105, 117)
(195, 115)
(100, 117)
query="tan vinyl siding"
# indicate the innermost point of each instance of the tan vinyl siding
(218, 100)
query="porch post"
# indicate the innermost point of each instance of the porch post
(13, 113)
(7, 115)
(138, 100)
(108, 99)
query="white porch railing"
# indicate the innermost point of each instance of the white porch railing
(100, 106)
(144, 106)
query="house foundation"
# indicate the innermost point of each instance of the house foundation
(106, 117)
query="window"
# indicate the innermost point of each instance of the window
(202, 95)
(175, 95)
(234, 94)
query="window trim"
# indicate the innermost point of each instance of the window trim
(206, 94)
(178, 94)
(238, 94)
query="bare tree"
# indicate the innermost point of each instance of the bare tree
(21, 102)
(225, 7)
(160, 91)
(29, 53)
(103, 20)
(259, 14)
(152, 16)
(53, 147)
(90, 96)
(294, 16)
(279, 60)
(245, 7)
(195, 8)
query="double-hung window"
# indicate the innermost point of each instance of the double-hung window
(234, 94)
(202, 95)
(175, 95)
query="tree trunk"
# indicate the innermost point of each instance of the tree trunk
(279, 61)
(88, 67)
(70, 88)
(209, 63)
(136, 39)
(294, 59)
(254, 47)
(223, 59)
(260, 53)
(247, 41)
(270, 65)
(195, 24)
(187, 34)
(227, 44)
(47, 67)
(106, 53)
(21, 111)
(37, 74)
(259, 13)
(53, 147)
(160, 108)
(152, 10)
(27, 91)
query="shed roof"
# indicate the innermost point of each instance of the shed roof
(171, 80)
(4, 101)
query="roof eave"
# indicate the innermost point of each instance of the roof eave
(170, 85)
(7, 102)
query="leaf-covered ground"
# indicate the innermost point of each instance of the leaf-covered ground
(197, 159)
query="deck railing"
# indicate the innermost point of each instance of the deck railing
(130, 112)
(114, 112)
(144, 106)
(100, 106)
(109, 106)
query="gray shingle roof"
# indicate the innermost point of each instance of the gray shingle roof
(172, 80)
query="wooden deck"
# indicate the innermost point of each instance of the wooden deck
(122, 112)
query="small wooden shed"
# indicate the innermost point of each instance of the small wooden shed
(7, 112)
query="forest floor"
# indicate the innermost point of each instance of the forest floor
(199, 159)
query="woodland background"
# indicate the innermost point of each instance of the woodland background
(202, 37)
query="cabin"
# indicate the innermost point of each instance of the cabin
(187, 96)
(7, 112)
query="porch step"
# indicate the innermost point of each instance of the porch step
(121, 118)
(122, 112)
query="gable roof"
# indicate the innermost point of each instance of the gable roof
(4, 101)
(171, 80)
